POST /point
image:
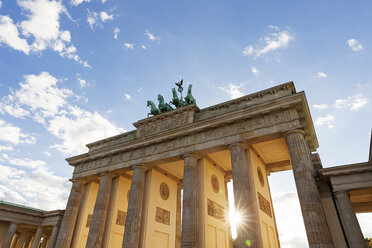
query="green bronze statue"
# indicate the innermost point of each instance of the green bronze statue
(189, 98)
(164, 107)
(154, 110)
(176, 101)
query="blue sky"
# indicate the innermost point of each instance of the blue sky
(76, 71)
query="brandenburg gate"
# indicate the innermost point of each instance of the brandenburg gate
(164, 184)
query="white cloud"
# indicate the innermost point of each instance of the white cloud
(269, 43)
(320, 106)
(103, 1)
(143, 47)
(92, 19)
(289, 220)
(327, 120)
(354, 45)
(77, 2)
(77, 127)
(321, 75)
(6, 148)
(10, 36)
(255, 71)
(129, 45)
(104, 16)
(13, 134)
(127, 96)
(233, 90)
(353, 103)
(139, 90)
(47, 103)
(36, 187)
(48, 154)
(273, 27)
(116, 32)
(151, 36)
(27, 163)
(82, 82)
(41, 28)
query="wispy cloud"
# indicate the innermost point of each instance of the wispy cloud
(233, 90)
(12, 134)
(78, 2)
(271, 42)
(129, 45)
(116, 32)
(143, 47)
(320, 106)
(95, 19)
(82, 82)
(354, 45)
(327, 120)
(105, 16)
(321, 75)
(151, 36)
(353, 103)
(255, 71)
(127, 96)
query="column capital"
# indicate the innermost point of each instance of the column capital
(107, 173)
(341, 192)
(141, 166)
(300, 131)
(191, 154)
(239, 144)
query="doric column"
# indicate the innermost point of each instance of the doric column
(80, 215)
(53, 236)
(316, 225)
(36, 242)
(349, 220)
(15, 240)
(97, 226)
(9, 235)
(178, 216)
(189, 236)
(134, 213)
(69, 217)
(22, 239)
(248, 231)
(28, 240)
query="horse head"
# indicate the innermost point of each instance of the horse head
(160, 98)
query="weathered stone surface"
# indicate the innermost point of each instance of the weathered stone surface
(9, 235)
(36, 242)
(316, 225)
(97, 226)
(189, 235)
(134, 214)
(244, 197)
(349, 220)
(69, 218)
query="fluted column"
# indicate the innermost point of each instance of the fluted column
(15, 240)
(178, 216)
(97, 226)
(36, 242)
(69, 217)
(316, 226)
(9, 235)
(134, 213)
(349, 220)
(189, 234)
(53, 236)
(248, 232)
(28, 240)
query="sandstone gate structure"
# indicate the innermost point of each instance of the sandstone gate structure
(128, 190)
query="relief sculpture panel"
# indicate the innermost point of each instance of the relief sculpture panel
(162, 216)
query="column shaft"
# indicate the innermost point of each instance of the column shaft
(53, 236)
(189, 237)
(69, 217)
(97, 226)
(9, 235)
(178, 216)
(316, 226)
(36, 242)
(15, 240)
(80, 215)
(134, 214)
(248, 232)
(349, 220)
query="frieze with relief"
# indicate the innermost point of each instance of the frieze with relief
(162, 216)
(264, 204)
(185, 141)
(215, 210)
(121, 218)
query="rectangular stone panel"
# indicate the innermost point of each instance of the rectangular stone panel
(162, 216)
(264, 204)
(120, 218)
(215, 210)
